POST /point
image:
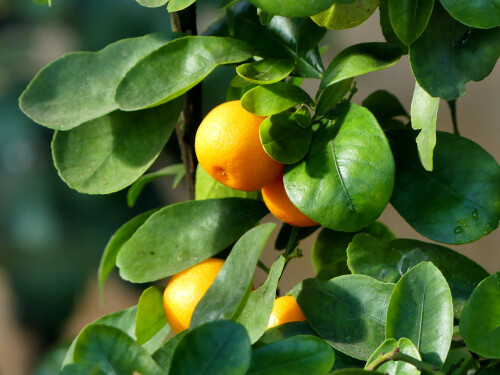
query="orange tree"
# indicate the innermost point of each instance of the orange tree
(378, 303)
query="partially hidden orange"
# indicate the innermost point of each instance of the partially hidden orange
(285, 310)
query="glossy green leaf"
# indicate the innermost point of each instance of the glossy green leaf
(177, 5)
(383, 105)
(184, 234)
(396, 367)
(291, 8)
(332, 95)
(424, 110)
(237, 81)
(206, 187)
(285, 232)
(354, 371)
(264, 17)
(82, 369)
(421, 310)
(446, 45)
(409, 18)
(163, 356)
(265, 72)
(80, 87)
(276, 40)
(460, 360)
(275, 98)
(115, 243)
(345, 181)
(294, 355)
(342, 15)
(483, 14)
(308, 36)
(228, 293)
(458, 202)
(360, 59)
(150, 314)
(108, 154)
(348, 311)
(388, 262)
(480, 323)
(137, 187)
(148, 83)
(152, 3)
(303, 117)
(255, 315)
(387, 30)
(216, 348)
(284, 331)
(283, 139)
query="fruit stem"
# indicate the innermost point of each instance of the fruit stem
(396, 355)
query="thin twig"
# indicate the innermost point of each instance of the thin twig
(453, 109)
(396, 355)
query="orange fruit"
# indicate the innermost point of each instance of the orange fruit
(186, 289)
(228, 148)
(281, 206)
(285, 310)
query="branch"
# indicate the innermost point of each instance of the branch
(396, 355)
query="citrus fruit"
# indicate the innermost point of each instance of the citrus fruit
(285, 310)
(186, 289)
(228, 148)
(279, 204)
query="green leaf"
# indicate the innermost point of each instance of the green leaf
(163, 356)
(347, 311)
(346, 15)
(346, 179)
(184, 234)
(150, 314)
(446, 45)
(215, 348)
(458, 202)
(177, 5)
(264, 17)
(354, 371)
(80, 87)
(292, 8)
(113, 350)
(360, 59)
(206, 187)
(396, 367)
(386, 27)
(108, 154)
(265, 72)
(308, 36)
(294, 355)
(483, 14)
(285, 232)
(461, 360)
(388, 262)
(480, 323)
(115, 243)
(275, 98)
(409, 18)
(421, 310)
(82, 369)
(332, 95)
(255, 315)
(383, 105)
(303, 117)
(424, 110)
(137, 187)
(284, 331)
(148, 83)
(227, 295)
(152, 3)
(283, 139)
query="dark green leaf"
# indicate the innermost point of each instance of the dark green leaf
(346, 179)
(283, 139)
(360, 59)
(424, 110)
(284, 331)
(255, 315)
(115, 244)
(150, 314)
(386, 27)
(354, 371)
(345, 15)
(275, 98)
(292, 8)
(163, 356)
(80, 87)
(148, 83)
(265, 72)
(308, 36)
(396, 367)
(480, 323)
(446, 45)
(136, 188)
(456, 203)
(177, 5)
(483, 14)
(461, 360)
(303, 117)
(108, 154)
(206, 187)
(421, 310)
(264, 17)
(332, 95)
(227, 295)
(409, 18)
(184, 234)
(216, 348)
(286, 230)
(384, 105)
(347, 311)
(294, 355)
(388, 262)
(152, 3)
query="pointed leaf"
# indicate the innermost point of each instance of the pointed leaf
(342, 16)
(409, 18)
(150, 314)
(332, 95)
(308, 37)
(396, 367)
(384, 105)
(387, 29)
(177, 5)
(292, 8)
(483, 14)
(265, 72)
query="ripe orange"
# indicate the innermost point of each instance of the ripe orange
(285, 310)
(279, 204)
(228, 147)
(186, 289)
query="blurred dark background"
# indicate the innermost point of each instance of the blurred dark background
(51, 238)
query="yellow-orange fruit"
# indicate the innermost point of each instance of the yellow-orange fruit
(285, 310)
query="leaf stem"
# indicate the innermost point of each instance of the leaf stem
(396, 355)
(263, 267)
(453, 109)
(292, 241)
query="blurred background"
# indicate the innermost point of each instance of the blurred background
(51, 238)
